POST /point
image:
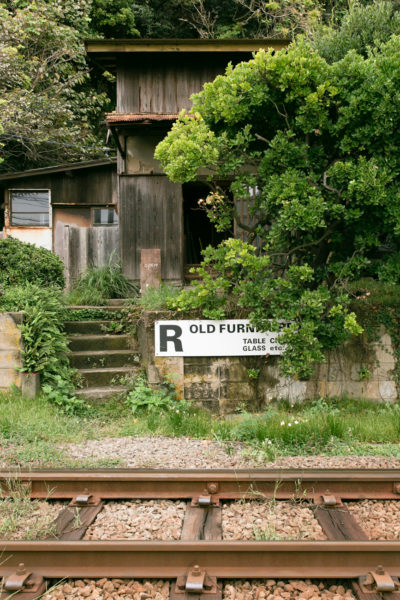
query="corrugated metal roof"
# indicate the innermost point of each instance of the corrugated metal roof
(89, 164)
(117, 118)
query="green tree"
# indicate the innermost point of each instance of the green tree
(46, 111)
(362, 27)
(113, 19)
(314, 150)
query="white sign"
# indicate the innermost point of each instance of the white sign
(214, 338)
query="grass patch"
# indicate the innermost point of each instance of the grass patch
(157, 298)
(17, 508)
(31, 432)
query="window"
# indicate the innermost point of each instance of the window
(30, 208)
(105, 216)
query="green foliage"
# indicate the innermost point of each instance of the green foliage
(45, 349)
(98, 284)
(313, 149)
(47, 112)
(361, 28)
(60, 392)
(92, 314)
(21, 263)
(113, 18)
(155, 298)
(151, 400)
(377, 305)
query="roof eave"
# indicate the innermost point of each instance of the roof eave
(101, 46)
(57, 169)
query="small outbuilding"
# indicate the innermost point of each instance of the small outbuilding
(155, 79)
(71, 209)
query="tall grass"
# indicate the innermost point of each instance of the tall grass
(154, 298)
(98, 284)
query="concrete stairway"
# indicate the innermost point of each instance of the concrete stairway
(102, 359)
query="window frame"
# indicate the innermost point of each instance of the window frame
(106, 207)
(28, 226)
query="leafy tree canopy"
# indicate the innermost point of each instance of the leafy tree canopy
(46, 111)
(313, 147)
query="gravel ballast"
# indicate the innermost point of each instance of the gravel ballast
(257, 520)
(296, 589)
(110, 589)
(269, 589)
(138, 520)
(379, 519)
(186, 453)
(28, 520)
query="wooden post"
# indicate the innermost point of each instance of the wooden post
(150, 268)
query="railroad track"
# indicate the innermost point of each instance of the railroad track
(201, 557)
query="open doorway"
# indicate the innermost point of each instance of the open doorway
(199, 232)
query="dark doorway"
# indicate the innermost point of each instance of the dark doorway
(199, 232)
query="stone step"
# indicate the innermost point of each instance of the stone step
(107, 307)
(103, 359)
(105, 376)
(101, 342)
(97, 394)
(88, 327)
(119, 301)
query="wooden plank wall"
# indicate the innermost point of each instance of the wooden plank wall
(85, 247)
(95, 186)
(151, 217)
(163, 83)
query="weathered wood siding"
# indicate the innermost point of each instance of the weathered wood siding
(164, 83)
(84, 247)
(151, 217)
(95, 186)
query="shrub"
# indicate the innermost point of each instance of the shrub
(21, 263)
(45, 342)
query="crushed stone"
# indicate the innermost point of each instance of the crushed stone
(380, 519)
(269, 520)
(109, 589)
(292, 589)
(187, 453)
(138, 520)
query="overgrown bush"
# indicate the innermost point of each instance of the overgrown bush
(98, 284)
(21, 263)
(45, 349)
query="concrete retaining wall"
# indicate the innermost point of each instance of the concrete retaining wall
(10, 350)
(357, 369)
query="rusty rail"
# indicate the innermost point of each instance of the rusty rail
(220, 559)
(347, 554)
(226, 484)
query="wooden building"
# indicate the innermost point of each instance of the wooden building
(71, 209)
(155, 79)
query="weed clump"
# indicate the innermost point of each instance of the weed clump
(98, 284)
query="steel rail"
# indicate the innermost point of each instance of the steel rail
(226, 484)
(220, 559)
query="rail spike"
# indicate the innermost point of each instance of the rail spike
(376, 583)
(196, 585)
(22, 585)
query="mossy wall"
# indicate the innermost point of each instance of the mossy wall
(10, 350)
(361, 368)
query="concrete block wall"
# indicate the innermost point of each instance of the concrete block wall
(223, 384)
(10, 350)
